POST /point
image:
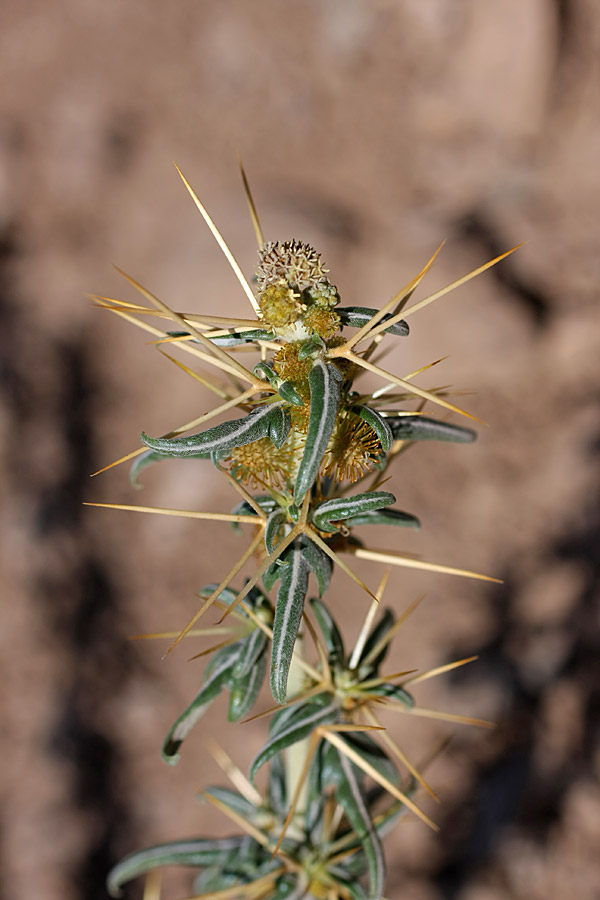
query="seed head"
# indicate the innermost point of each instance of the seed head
(297, 263)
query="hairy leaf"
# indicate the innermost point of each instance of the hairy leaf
(141, 462)
(288, 392)
(379, 631)
(346, 507)
(357, 316)
(393, 692)
(245, 690)
(198, 852)
(377, 423)
(251, 648)
(277, 789)
(233, 800)
(350, 796)
(272, 528)
(331, 633)
(324, 382)
(220, 439)
(384, 517)
(288, 614)
(216, 677)
(266, 371)
(422, 428)
(240, 337)
(313, 714)
(279, 425)
(318, 562)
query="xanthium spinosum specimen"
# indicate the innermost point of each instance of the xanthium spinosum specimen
(308, 454)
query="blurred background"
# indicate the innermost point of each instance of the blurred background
(373, 129)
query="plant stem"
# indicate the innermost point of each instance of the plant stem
(296, 754)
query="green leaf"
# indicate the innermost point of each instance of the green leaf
(393, 692)
(316, 794)
(288, 614)
(318, 562)
(233, 800)
(245, 690)
(384, 517)
(266, 503)
(346, 507)
(377, 423)
(422, 428)
(324, 382)
(271, 575)
(251, 648)
(283, 718)
(279, 424)
(266, 371)
(240, 337)
(311, 347)
(379, 631)
(141, 462)
(357, 316)
(277, 788)
(274, 524)
(216, 677)
(317, 712)
(227, 595)
(288, 392)
(350, 796)
(218, 441)
(198, 852)
(331, 634)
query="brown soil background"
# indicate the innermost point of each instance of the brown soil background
(373, 130)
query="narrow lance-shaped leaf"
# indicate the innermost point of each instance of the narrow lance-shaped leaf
(266, 371)
(350, 796)
(198, 852)
(357, 316)
(393, 692)
(245, 690)
(331, 633)
(250, 649)
(142, 462)
(377, 423)
(215, 679)
(318, 562)
(288, 392)
(277, 788)
(324, 382)
(384, 517)
(217, 441)
(273, 527)
(233, 800)
(279, 425)
(241, 337)
(345, 507)
(267, 504)
(322, 712)
(288, 614)
(381, 629)
(422, 428)
(283, 718)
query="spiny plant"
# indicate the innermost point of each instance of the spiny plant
(308, 454)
